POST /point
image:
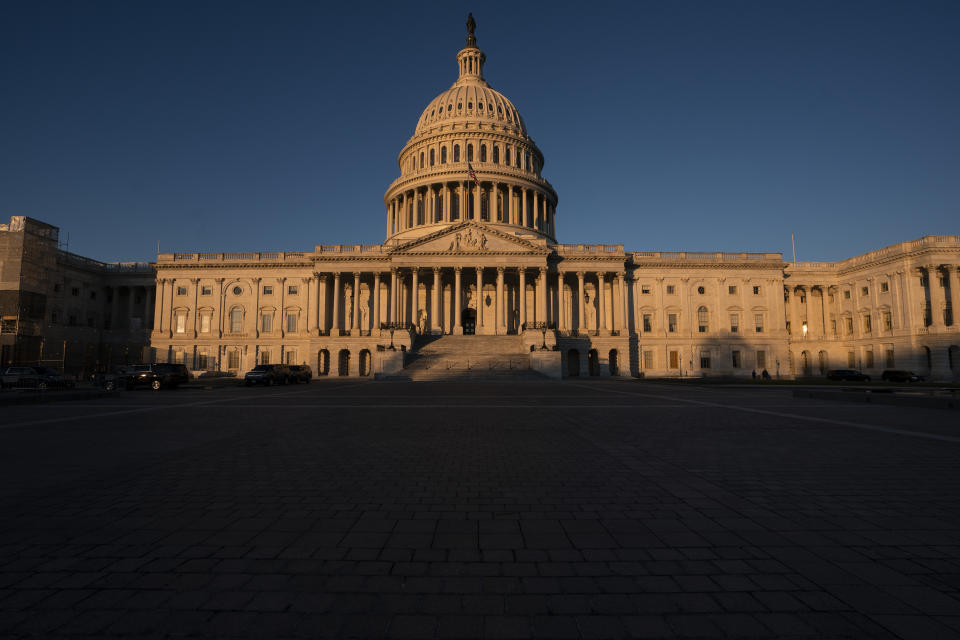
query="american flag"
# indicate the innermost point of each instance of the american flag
(473, 176)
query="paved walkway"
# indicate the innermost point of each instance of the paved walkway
(466, 510)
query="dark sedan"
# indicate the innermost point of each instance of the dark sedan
(848, 375)
(898, 375)
(267, 374)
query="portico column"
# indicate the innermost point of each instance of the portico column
(321, 303)
(523, 297)
(602, 302)
(561, 314)
(356, 301)
(464, 204)
(536, 208)
(479, 299)
(499, 324)
(542, 296)
(415, 297)
(375, 326)
(954, 293)
(494, 205)
(523, 207)
(436, 325)
(581, 325)
(457, 329)
(335, 324)
(476, 201)
(157, 306)
(446, 202)
(620, 317)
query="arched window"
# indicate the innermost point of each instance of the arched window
(236, 320)
(483, 153)
(506, 156)
(496, 154)
(443, 155)
(432, 156)
(703, 319)
(517, 163)
(456, 153)
(421, 159)
(469, 153)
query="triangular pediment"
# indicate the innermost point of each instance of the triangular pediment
(470, 238)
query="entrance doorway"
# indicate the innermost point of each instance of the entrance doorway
(469, 321)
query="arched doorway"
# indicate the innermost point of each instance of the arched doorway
(468, 319)
(343, 363)
(593, 362)
(365, 362)
(573, 363)
(323, 363)
(614, 365)
(822, 362)
(805, 363)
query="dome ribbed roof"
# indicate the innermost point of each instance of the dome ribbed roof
(470, 101)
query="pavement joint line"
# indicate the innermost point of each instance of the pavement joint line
(797, 416)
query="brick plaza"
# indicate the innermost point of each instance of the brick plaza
(348, 509)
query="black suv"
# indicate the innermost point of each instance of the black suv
(849, 375)
(301, 373)
(267, 374)
(897, 375)
(157, 376)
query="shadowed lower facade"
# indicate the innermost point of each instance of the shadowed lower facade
(471, 250)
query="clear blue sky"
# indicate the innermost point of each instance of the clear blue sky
(710, 126)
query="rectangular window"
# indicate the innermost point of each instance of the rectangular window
(292, 290)
(267, 291)
(266, 323)
(670, 289)
(846, 294)
(867, 323)
(236, 321)
(884, 287)
(648, 359)
(734, 323)
(735, 356)
(848, 322)
(868, 359)
(181, 322)
(758, 322)
(206, 291)
(93, 295)
(54, 317)
(732, 289)
(233, 359)
(181, 291)
(264, 357)
(865, 291)
(674, 359)
(704, 359)
(645, 289)
(56, 287)
(761, 359)
(887, 321)
(75, 291)
(205, 323)
(890, 362)
(851, 359)
(833, 325)
(202, 360)
(672, 322)
(291, 322)
(291, 357)
(647, 322)
(756, 291)
(179, 356)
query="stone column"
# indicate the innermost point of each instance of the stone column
(311, 295)
(561, 303)
(477, 191)
(494, 205)
(602, 303)
(499, 324)
(392, 307)
(937, 299)
(523, 207)
(256, 309)
(457, 302)
(415, 297)
(375, 325)
(157, 306)
(581, 325)
(335, 324)
(321, 303)
(479, 299)
(621, 322)
(356, 303)
(542, 296)
(446, 202)
(464, 195)
(954, 293)
(152, 305)
(523, 297)
(435, 325)
(536, 209)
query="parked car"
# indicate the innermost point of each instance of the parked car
(301, 373)
(156, 376)
(267, 374)
(898, 375)
(41, 378)
(850, 375)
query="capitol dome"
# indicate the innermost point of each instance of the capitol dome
(470, 158)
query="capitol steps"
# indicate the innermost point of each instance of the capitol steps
(469, 357)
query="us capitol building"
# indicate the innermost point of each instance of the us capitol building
(471, 280)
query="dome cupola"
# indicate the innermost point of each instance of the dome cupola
(470, 158)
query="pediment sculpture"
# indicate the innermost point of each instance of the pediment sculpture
(469, 241)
